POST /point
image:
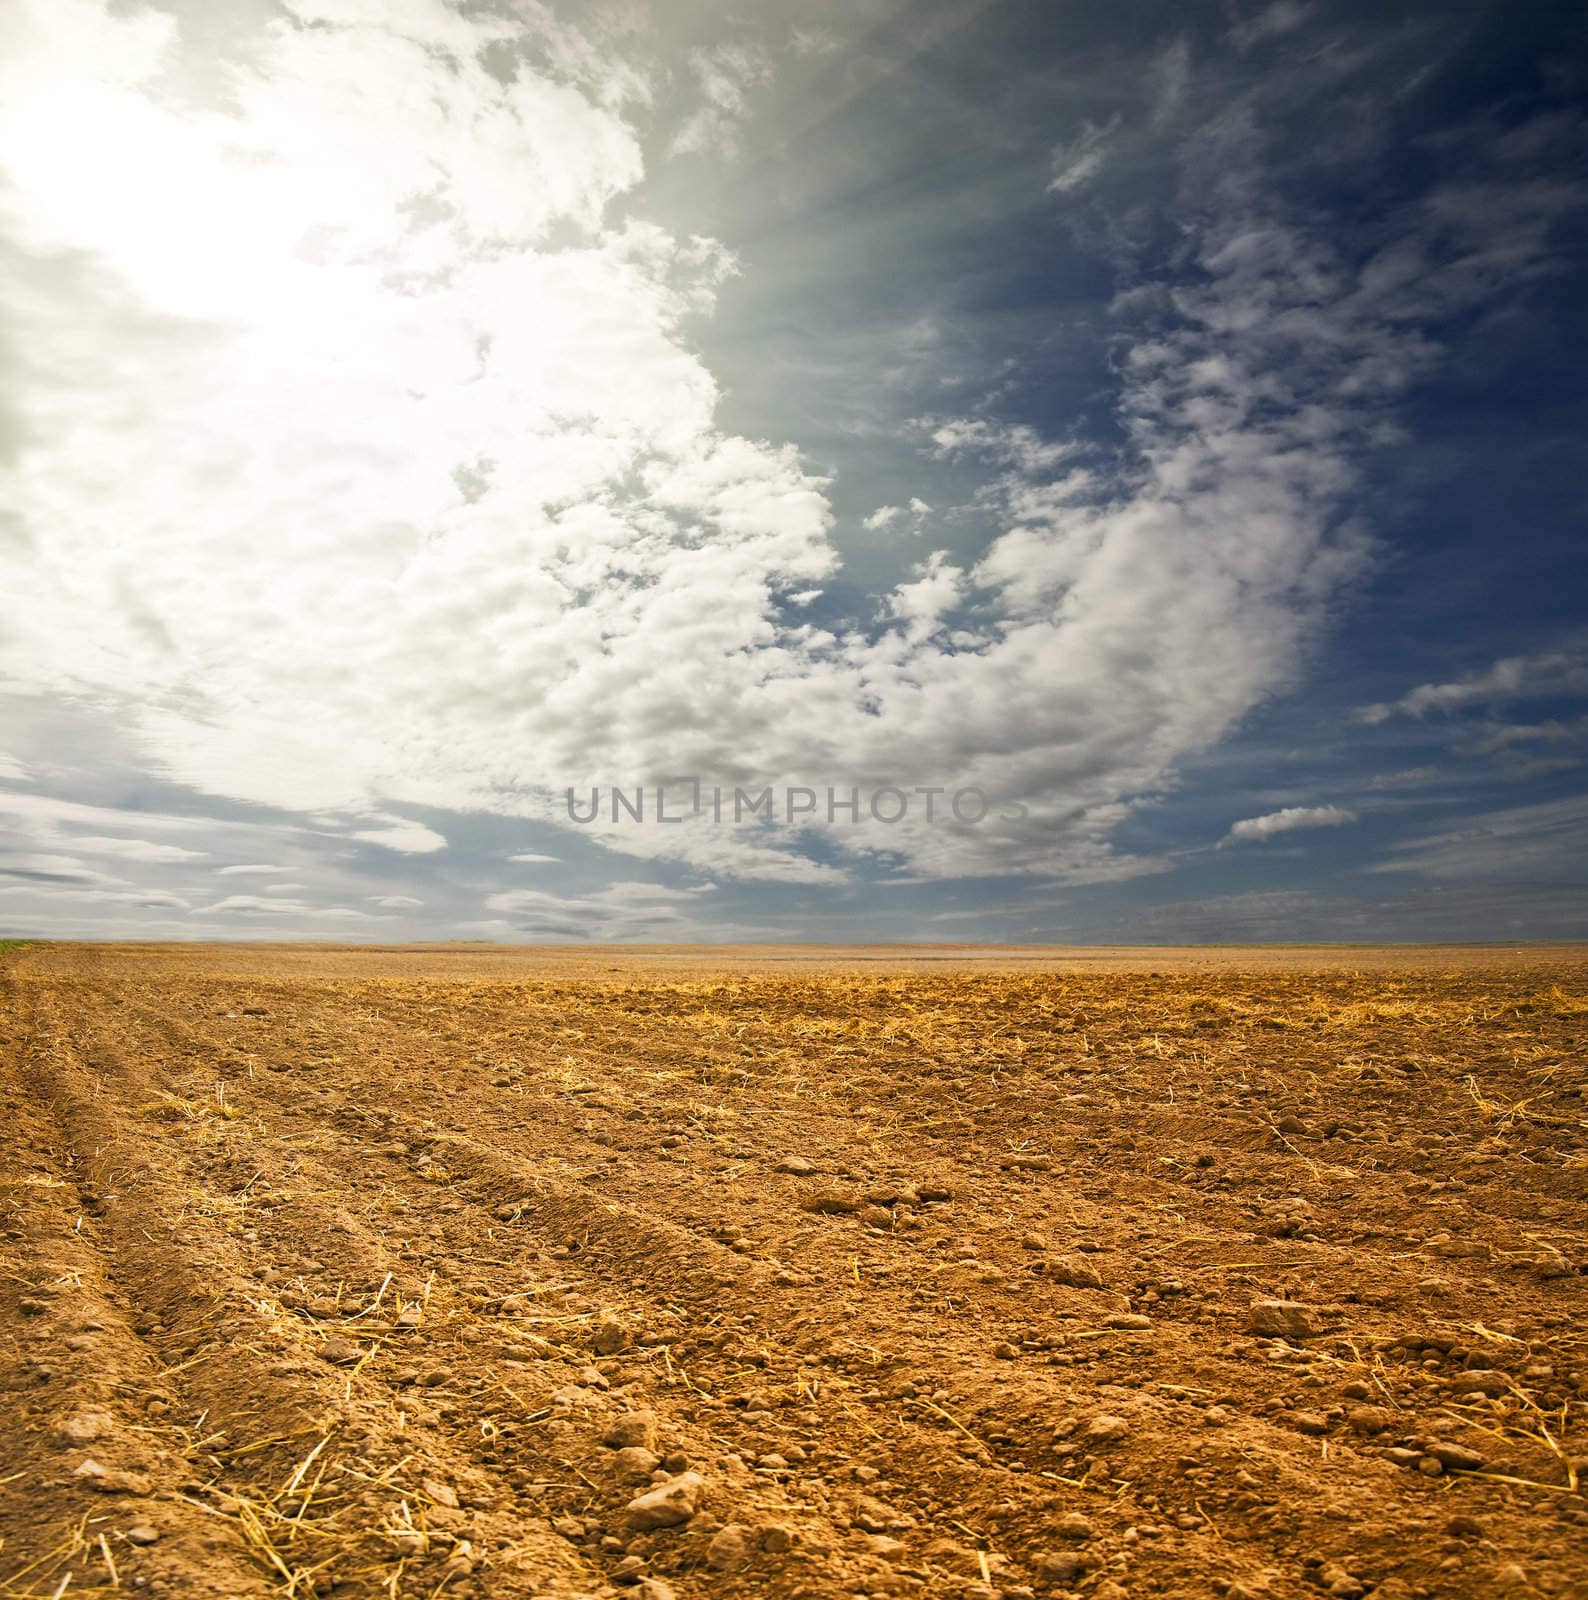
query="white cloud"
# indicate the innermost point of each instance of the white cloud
(258, 905)
(724, 77)
(1169, 81)
(134, 849)
(249, 870)
(1287, 820)
(411, 838)
(1076, 163)
(397, 902)
(1011, 444)
(1271, 22)
(533, 856)
(1562, 672)
(43, 867)
(621, 911)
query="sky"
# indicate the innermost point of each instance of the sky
(946, 470)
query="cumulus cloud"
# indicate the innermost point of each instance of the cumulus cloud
(1288, 820)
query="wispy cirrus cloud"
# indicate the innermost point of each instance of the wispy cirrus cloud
(1078, 162)
(1546, 843)
(1546, 673)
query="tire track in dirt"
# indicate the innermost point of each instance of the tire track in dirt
(102, 1466)
(491, 1177)
(259, 1386)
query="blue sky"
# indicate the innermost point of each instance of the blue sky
(1158, 425)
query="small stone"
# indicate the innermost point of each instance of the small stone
(1367, 1419)
(872, 1515)
(1105, 1427)
(831, 1202)
(111, 1480)
(886, 1547)
(409, 1317)
(1033, 1241)
(1313, 1422)
(878, 1218)
(1128, 1321)
(1480, 1380)
(1077, 1274)
(1060, 1566)
(609, 1337)
(1004, 1351)
(143, 1533)
(1455, 1457)
(31, 1308)
(730, 1550)
(1217, 1417)
(1340, 1583)
(1284, 1319)
(797, 1165)
(442, 1493)
(668, 1504)
(83, 1427)
(460, 1563)
(436, 1376)
(630, 1429)
(634, 1463)
(931, 1192)
(1075, 1525)
(776, 1539)
(339, 1352)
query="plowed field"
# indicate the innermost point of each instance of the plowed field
(783, 1273)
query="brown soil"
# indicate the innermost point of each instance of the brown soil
(350, 1271)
